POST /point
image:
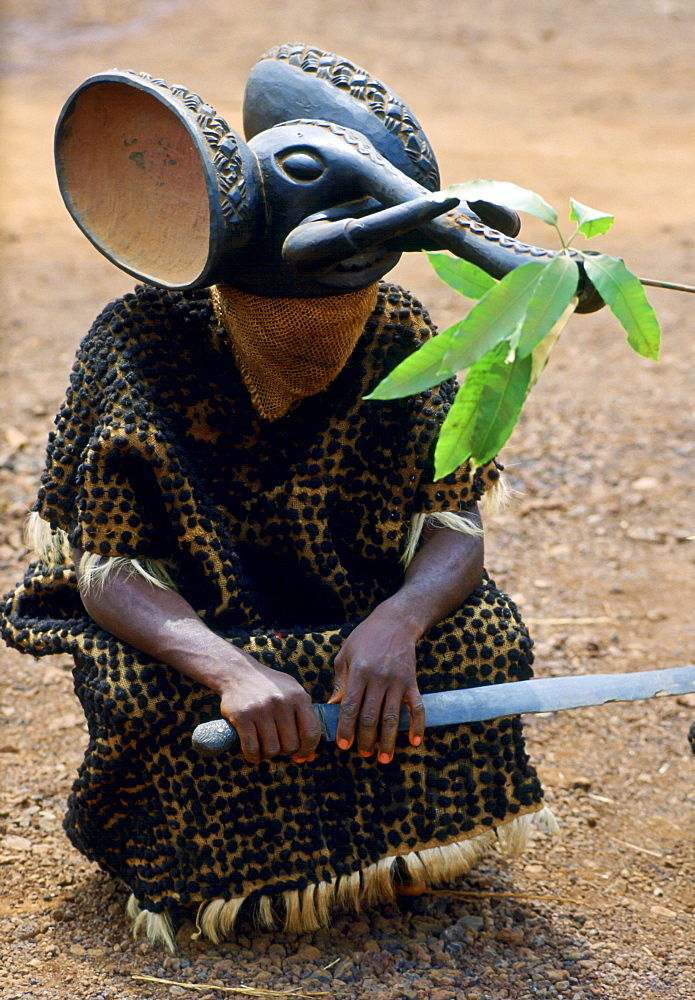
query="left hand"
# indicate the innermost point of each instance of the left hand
(375, 672)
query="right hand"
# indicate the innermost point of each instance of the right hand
(271, 712)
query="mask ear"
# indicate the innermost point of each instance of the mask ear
(156, 179)
(301, 81)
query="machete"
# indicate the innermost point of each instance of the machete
(492, 701)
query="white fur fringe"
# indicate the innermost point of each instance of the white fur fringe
(309, 909)
(53, 549)
(494, 501)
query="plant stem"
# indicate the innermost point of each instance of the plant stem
(672, 285)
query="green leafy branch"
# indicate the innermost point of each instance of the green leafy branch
(507, 336)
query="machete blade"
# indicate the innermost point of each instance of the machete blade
(492, 701)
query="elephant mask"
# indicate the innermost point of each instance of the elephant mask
(334, 181)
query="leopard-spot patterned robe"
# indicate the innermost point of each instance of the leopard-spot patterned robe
(282, 536)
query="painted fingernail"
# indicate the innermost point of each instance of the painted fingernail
(344, 744)
(384, 758)
(365, 753)
(417, 740)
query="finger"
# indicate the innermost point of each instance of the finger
(309, 732)
(340, 678)
(268, 738)
(250, 747)
(287, 730)
(390, 715)
(413, 700)
(369, 722)
(349, 710)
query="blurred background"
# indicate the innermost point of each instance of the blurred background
(592, 99)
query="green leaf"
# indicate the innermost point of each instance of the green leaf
(541, 353)
(484, 413)
(506, 193)
(498, 316)
(554, 290)
(591, 222)
(420, 370)
(622, 291)
(461, 275)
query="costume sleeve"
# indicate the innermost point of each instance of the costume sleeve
(105, 456)
(403, 432)
(466, 485)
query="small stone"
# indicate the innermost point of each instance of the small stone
(573, 954)
(508, 936)
(420, 954)
(473, 921)
(13, 843)
(225, 967)
(315, 984)
(645, 484)
(261, 943)
(344, 970)
(308, 951)
(177, 991)
(442, 959)
(376, 963)
(556, 975)
(26, 931)
(359, 928)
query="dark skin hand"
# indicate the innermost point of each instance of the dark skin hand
(374, 671)
(271, 712)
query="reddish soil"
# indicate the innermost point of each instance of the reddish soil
(590, 100)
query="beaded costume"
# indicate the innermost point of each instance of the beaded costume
(216, 439)
(282, 535)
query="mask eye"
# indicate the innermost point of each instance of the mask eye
(301, 166)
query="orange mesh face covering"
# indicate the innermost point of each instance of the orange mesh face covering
(287, 349)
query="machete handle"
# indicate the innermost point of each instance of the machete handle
(210, 739)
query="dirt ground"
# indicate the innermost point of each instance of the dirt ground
(593, 100)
